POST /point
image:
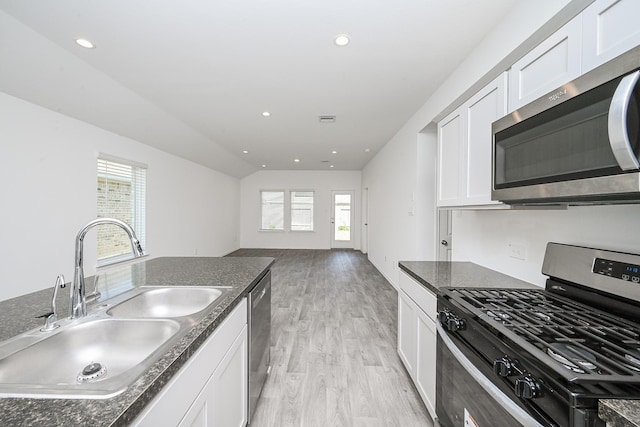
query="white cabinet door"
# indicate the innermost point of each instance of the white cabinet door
(549, 65)
(417, 337)
(464, 148)
(426, 361)
(223, 400)
(481, 111)
(407, 332)
(610, 28)
(450, 161)
(230, 381)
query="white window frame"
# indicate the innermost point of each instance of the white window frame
(138, 181)
(313, 207)
(284, 216)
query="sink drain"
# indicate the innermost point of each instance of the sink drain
(92, 372)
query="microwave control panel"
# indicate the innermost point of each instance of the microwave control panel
(617, 270)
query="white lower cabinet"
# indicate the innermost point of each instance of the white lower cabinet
(425, 379)
(211, 388)
(407, 330)
(222, 401)
(417, 337)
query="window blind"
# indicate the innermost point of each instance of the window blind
(121, 195)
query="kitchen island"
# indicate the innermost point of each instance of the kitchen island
(19, 314)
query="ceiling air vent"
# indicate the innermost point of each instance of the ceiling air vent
(327, 118)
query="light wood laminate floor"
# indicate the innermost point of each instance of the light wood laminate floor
(333, 345)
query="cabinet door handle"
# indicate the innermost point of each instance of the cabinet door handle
(444, 242)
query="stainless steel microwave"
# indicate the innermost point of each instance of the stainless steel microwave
(579, 144)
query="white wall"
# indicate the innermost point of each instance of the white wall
(400, 204)
(484, 237)
(48, 177)
(322, 182)
(397, 174)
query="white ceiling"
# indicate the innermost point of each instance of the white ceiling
(192, 77)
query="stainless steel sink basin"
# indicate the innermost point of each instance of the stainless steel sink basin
(96, 358)
(167, 302)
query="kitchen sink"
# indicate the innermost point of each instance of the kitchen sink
(94, 358)
(167, 302)
(99, 355)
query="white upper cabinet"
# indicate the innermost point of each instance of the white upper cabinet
(604, 30)
(549, 65)
(450, 150)
(610, 28)
(482, 110)
(464, 144)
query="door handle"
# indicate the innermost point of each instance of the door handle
(617, 124)
(444, 242)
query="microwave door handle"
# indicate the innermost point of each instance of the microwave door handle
(618, 134)
(496, 394)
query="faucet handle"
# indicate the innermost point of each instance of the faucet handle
(51, 321)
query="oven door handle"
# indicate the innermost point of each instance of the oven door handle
(617, 123)
(498, 396)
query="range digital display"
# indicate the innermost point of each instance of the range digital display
(617, 270)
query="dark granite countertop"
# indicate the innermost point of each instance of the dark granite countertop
(620, 413)
(17, 315)
(436, 275)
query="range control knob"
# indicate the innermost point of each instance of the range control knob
(455, 323)
(527, 388)
(450, 321)
(503, 367)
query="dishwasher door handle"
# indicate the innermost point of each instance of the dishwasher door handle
(257, 299)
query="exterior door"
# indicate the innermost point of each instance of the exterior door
(342, 215)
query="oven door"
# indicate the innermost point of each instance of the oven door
(466, 397)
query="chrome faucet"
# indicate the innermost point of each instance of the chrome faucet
(78, 297)
(51, 319)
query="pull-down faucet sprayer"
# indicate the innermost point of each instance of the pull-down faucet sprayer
(78, 296)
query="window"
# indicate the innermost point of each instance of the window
(272, 210)
(302, 211)
(121, 195)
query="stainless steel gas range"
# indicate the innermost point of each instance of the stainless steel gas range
(542, 357)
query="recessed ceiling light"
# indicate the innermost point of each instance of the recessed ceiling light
(296, 160)
(245, 151)
(366, 150)
(85, 43)
(266, 114)
(341, 40)
(331, 166)
(264, 166)
(327, 118)
(334, 152)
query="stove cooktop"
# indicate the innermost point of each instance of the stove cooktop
(589, 344)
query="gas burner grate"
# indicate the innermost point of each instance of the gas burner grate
(590, 344)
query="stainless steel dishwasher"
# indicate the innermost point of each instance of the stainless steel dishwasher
(259, 339)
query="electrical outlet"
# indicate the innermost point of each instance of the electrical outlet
(517, 251)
